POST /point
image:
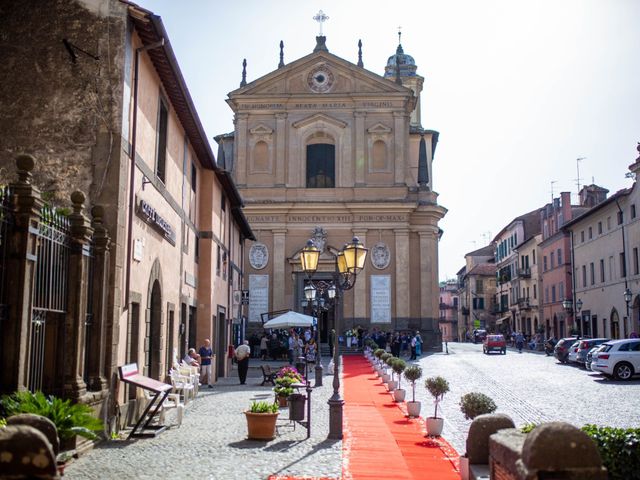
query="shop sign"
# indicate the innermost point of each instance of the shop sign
(152, 217)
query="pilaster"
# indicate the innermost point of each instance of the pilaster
(360, 147)
(279, 237)
(241, 148)
(402, 273)
(428, 274)
(399, 143)
(281, 151)
(360, 288)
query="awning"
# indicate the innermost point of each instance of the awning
(503, 319)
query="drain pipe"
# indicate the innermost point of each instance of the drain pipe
(626, 270)
(132, 172)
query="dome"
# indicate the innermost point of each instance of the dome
(406, 62)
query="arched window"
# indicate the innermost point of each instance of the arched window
(321, 165)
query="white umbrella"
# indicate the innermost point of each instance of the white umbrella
(290, 319)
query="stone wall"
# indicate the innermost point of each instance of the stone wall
(58, 103)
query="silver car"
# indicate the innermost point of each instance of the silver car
(618, 358)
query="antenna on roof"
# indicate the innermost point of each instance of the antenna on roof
(578, 160)
(552, 182)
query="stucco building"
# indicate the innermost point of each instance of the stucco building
(326, 149)
(109, 115)
(528, 312)
(606, 264)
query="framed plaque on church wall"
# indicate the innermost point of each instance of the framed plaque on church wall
(259, 296)
(380, 298)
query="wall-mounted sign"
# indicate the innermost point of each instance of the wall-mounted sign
(380, 298)
(153, 218)
(138, 249)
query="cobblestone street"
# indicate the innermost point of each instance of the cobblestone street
(212, 444)
(529, 387)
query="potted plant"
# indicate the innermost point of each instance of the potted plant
(261, 420)
(378, 353)
(413, 374)
(437, 387)
(475, 403)
(70, 419)
(283, 389)
(392, 383)
(385, 375)
(398, 367)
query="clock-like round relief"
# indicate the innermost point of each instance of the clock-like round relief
(320, 79)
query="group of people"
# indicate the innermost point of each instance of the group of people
(290, 344)
(201, 359)
(399, 342)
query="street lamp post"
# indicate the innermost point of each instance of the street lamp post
(349, 262)
(627, 298)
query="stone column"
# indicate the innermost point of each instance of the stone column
(21, 256)
(77, 294)
(360, 295)
(402, 273)
(241, 148)
(399, 147)
(98, 341)
(281, 137)
(361, 150)
(278, 268)
(428, 274)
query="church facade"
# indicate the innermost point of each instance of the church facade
(327, 150)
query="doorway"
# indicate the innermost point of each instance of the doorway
(153, 337)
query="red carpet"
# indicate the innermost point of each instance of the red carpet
(380, 442)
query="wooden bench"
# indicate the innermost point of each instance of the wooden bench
(268, 376)
(129, 374)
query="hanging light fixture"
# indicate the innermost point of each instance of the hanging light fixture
(355, 255)
(309, 257)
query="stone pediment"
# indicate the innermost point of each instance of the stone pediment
(379, 128)
(261, 129)
(320, 73)
(319, 117)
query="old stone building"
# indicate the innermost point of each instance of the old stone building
(327, 149)
(103, 107)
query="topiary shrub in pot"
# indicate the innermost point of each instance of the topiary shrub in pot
(385, 356)
(476, 403)
(437, 387)
(413, 374)
(392, 383)
(377, 354)
(398, 367)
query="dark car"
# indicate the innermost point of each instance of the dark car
(585, 345)
(479, 336)
(494, 342)
(561, 351)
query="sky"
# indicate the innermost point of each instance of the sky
(519, 90)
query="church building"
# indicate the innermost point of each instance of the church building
(324, 149)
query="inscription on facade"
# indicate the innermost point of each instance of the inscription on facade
(377, 104)
(380, 298)
(318, 106)
(260, 106)
(152, 217)
(347, 218)
(258, 296)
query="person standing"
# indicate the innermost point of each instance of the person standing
(243, 353)
(263, 347)
(418, 344)
(206, 354)
(413, 348)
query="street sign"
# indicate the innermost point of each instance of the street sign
(476, 323)
(245, 297)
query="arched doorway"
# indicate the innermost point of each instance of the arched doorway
(153, 338)
(615, 324)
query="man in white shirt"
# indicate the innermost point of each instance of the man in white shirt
(243, 352)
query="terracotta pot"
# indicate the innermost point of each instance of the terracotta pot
(261, 426)
(434, 426)
(392, 384)
(282, 400)
(413, 409)
(398, 394)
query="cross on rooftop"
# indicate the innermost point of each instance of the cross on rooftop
(321, 17)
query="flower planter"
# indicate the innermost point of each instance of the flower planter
(413, 409)
(434, 426)
(392, 385)
(261, 426)
(398, 395)
(282, 401)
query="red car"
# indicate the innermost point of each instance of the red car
(494, 342)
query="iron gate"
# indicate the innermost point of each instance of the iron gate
(6, 223)
(49, 295)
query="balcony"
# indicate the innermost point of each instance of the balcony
(464, 310)
(523, 304)
(496, 309)
(524, 272)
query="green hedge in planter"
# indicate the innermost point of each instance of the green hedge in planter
(619, 449)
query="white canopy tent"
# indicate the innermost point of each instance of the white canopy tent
(290, 319)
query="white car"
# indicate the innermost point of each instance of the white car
(572, 357)
(618, 358)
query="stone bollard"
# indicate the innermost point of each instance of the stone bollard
(40, 423)
(475, 464)
(26, 453)
(559, 450)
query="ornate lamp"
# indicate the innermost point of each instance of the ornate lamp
(627, 295)
(567, 304)
(309, 257)
(355, 255)
(310, 293)
(579, 305)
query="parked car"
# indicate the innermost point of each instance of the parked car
(561, 350)
(591, 356)
(494, 342)
(572, 355)
(479, 336)
(618, 358)
(584, 346)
